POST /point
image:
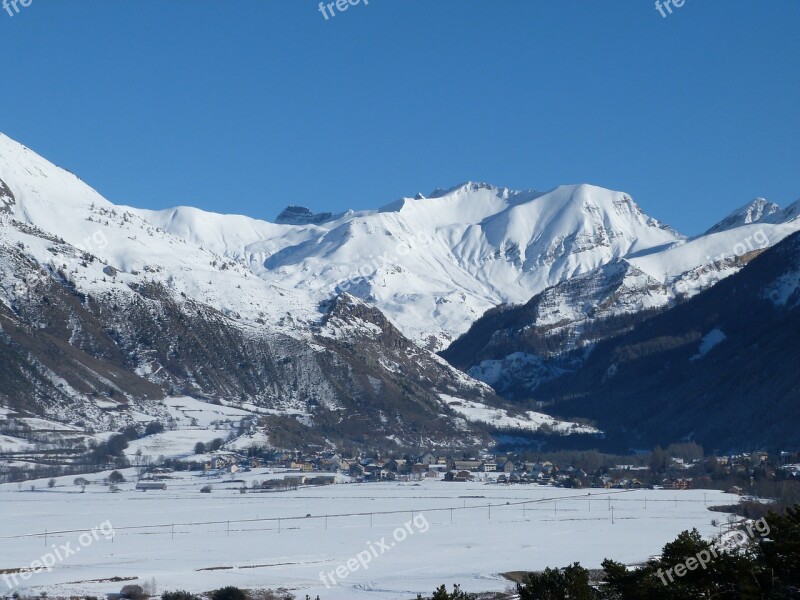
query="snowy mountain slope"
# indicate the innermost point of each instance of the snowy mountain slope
(517, 348)
(99, 359)
(103, 313)
(57, 202)
(499, 418)
(720, 369)
(434, 265)
(704, 368)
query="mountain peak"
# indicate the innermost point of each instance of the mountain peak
(467, 186)
(300, 215)
(752, 212)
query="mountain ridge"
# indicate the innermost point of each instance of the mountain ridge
(329, 323)
(105, 314)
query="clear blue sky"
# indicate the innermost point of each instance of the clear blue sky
(246, 106)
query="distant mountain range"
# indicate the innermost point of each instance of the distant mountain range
(326, 325)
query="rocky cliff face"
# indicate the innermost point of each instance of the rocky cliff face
(300, 215)
(7, 199)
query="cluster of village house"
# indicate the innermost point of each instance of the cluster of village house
(427, 465)
(322, 468)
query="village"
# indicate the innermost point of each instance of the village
(735, 473)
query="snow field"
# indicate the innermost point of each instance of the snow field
(474, 532)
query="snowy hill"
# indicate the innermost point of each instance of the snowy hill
(104, 313)
(434, 265)
(516, 348)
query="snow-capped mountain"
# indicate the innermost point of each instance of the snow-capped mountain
(434, 265)
(516, 348)
(58, 203)
(104, 313)
(330, 320)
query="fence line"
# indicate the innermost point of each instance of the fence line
(279, 520)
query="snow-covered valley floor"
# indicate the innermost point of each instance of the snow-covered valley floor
(242, 543)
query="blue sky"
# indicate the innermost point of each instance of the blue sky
(246, 106)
